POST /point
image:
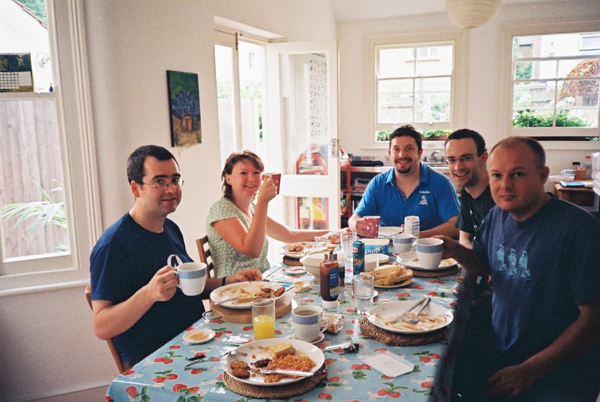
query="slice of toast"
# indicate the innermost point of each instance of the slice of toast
(280, 349)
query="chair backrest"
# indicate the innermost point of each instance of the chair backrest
(111, 345)
(205, 256)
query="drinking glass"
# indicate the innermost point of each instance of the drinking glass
(263, 318)
(346, 240)
(363, 291)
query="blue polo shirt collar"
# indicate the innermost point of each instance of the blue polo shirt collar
(423, 179)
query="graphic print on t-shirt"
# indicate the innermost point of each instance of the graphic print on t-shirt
(516, 268)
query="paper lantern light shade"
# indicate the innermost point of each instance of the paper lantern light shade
(472, 13)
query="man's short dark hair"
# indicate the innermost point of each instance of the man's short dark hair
(534, 145)
(406, 131)
(135, 163)
(467, 133)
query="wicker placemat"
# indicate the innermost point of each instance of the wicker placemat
(393, 339)
(434, 274)
(292, 262)
(275, 392)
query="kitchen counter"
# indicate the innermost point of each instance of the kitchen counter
(385, 168)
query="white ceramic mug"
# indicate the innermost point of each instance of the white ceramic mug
(191, 275)
(403, 242)
(429, 252)
(306, 321)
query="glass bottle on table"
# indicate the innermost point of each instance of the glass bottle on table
(329, 280)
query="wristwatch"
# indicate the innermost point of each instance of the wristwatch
(224, 281)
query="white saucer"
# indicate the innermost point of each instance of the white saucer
(319, 339)
(199, 336)
(294, 270)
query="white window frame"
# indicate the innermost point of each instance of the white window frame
(508, 33)
(73, 104)
(457, 38)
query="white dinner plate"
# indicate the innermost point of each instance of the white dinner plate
(436, 317)
(410, 260)
(307, 247)
(387, 231)
(240, 289)
(199, 336)
(256, 351)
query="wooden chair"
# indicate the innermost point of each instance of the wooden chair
(111, 345)
(205, 256)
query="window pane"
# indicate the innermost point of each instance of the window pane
(226, 109)
(312, 212)
(534, 94)
(395, 102)
(579, 68)
(434, 60)
(537, 70)
(251, 67)
(580, 92)
(31, 191)
(396, 62)
(555, 45)
(432, 97)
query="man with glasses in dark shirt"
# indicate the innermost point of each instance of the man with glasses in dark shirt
(135, 298)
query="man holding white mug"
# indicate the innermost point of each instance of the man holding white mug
(135, 299)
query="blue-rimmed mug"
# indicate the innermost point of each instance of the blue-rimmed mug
(429, 252)
(403, 242)
(306, 321)
(191, 275)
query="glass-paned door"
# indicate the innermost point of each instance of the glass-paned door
(303, 145)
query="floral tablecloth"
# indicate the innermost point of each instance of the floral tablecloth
(161, 376)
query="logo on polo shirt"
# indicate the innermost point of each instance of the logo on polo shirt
(423, 200)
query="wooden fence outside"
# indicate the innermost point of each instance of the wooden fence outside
(30, 156)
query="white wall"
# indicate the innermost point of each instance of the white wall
(483, 78)
(47, 342)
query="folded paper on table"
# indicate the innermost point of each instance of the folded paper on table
(388, 363)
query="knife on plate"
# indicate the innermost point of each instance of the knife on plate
(280, 371)
(405, 313)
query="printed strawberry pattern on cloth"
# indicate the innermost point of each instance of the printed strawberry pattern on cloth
(162, 377)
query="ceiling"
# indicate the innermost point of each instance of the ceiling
(349, 10)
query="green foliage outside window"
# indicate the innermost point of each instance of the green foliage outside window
(37, 7)
(430, 135)
(530, 118)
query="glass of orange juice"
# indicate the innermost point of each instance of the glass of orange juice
(263, 318)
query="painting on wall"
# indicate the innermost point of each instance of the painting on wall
(184, 106)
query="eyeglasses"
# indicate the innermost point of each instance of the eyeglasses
(463, 159)
(162, 184)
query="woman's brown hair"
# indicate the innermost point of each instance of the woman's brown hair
(230, 163)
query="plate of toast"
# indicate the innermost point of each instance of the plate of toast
(391, 276)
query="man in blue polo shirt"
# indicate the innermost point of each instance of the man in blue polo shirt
(410, 188)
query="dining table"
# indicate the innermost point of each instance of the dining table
(162, 375)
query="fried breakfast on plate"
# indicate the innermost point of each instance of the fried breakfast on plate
(249, 291)
(283, 356)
